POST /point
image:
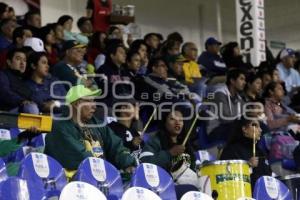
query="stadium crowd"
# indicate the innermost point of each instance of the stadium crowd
(95, 74)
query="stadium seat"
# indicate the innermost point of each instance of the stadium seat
(77, 190)
(102, 175)
(44, 175)
(156, 179)
(139, 193)
(289, 164)
(38, 141)
(14, 188)
(3, 173)
(202, 156)
(269, 188)
(195, 196)
(8, 134)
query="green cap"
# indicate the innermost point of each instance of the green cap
(80, 91)
(178, 58)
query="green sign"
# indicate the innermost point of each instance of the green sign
(277, 45)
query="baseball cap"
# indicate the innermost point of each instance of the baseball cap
(69, 44)
(287, 52)
(178, 58)
(35, 43)
(212, 41)
(79, 92)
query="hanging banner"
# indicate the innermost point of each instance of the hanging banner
(250, 18)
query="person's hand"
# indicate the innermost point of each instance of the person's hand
(253, 161)
(293, 119)
(137, 141)
(130, 170)
(177, 150)
(47, 106)
(33, 129)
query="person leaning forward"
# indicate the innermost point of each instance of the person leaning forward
(71, 142)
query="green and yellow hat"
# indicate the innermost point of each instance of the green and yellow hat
(79, 92)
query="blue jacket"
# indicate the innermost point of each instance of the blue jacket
(42, 92)
(213, 64)
(13, 90)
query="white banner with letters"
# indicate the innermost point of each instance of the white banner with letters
(250, 18)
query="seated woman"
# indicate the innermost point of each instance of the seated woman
(240, 147)
(279, 116)
(165, 148)
(40, 82)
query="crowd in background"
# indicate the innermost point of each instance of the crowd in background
(170, 69)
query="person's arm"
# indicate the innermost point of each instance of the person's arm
(8, 96)
(114, 149)
(63, 73)
(152, 153)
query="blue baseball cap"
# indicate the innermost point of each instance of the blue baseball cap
(212, 41)
(287, 52)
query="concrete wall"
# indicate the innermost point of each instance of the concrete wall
(194, 19)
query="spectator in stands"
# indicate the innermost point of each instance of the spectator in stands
(279, 115)
(286, 71)
(99, 11)
(85, 26)
(4, 11)
(71, 140)
(113, 70)
(115, 32)
(47, 34)
(152, 41)
(177, 37)
(133, 64)
(191, 68)
(127, 111)
(20, 34)
(15, 95)
(210, 59)
(59, 38)
(232, 57)
(40, 82)
(96, 49)
(66, 21)
(141, 47)
(253, 88)
(33, 20)
(7, 27)
(66, 69)
(165, 148)
(229, 104)
(176, 63)
(240, 147)
(157, 88)
(169, 48)
(11, 13)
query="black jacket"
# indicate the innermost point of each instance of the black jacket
(13, 90)
(242, 150)
(126, 134)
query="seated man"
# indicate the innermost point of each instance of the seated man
(228, 103)
(72, 140)
(14, 93)
(211, 60)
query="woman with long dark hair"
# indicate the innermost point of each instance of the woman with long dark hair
(240, 147)
(165, 147)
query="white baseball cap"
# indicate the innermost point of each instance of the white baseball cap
(35, 43)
